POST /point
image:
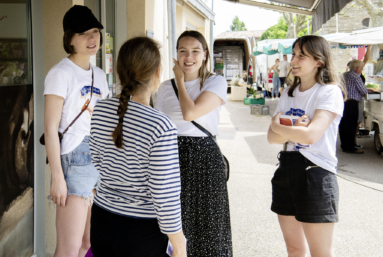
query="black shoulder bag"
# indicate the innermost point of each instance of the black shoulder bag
(61, 135)
(224, 159)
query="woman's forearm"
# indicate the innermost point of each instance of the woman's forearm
(52, 146)
(297, 134)
(187, 104)
(275, 138)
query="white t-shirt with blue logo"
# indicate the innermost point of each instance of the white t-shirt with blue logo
(73, 83)
(328, 97)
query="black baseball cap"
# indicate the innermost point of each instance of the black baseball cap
(80, 19)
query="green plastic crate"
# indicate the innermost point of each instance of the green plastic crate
(248, 101)
(219, 66)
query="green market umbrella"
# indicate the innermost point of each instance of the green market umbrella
(268, 51)
(256, 52)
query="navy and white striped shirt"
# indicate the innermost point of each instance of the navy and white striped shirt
(355, 86)
(142, 179)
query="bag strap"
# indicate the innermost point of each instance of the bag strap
(194, 123)
(85, 107)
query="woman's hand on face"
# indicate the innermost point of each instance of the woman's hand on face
(178, 72)
(59, 191)
(303, 121)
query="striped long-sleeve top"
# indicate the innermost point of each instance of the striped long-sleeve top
(142, 179)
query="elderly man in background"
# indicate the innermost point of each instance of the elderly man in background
(352, 59)
(355, 91)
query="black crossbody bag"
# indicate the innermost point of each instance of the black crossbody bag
(224, 159)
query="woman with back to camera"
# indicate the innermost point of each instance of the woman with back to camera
(137, 207)
(305, 189)
(204, 197)
(67, 91)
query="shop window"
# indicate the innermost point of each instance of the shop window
(15, 59)
(16, 130)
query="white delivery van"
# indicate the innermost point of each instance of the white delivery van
(235, 53)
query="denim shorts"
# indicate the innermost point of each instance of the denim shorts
(304, 190)
(80, 175)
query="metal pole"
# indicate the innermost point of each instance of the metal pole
(308, 26)
(337, 55)
(337, 25)
(172, 34)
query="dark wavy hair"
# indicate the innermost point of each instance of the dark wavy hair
(138, 62)
(319, 48)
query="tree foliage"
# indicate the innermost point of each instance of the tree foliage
(237, 25)
(296, 22)
(277, 31)
(285, 27)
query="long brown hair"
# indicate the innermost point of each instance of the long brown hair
(326, 74)
(139, 60)
(204, 72)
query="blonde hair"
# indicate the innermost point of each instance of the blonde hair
(320, 50)
(204, 72)
(355, 64)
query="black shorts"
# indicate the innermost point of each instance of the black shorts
(304, 190)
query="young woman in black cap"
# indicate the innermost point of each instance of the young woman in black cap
(72, 88)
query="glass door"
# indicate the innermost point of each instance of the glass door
(104, 10)
(16, 130)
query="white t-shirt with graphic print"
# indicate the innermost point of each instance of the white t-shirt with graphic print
(328, 97)
(73, 83)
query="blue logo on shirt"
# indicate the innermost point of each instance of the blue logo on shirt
(295, 112)
(86, 90)
(300, 113)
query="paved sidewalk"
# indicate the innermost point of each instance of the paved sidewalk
(253, 161)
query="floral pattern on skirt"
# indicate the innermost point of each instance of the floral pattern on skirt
(204, 198)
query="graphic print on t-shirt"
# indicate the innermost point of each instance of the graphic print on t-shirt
(300, 113)
(85, 94)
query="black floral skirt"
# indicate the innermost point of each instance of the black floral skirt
(204, 198)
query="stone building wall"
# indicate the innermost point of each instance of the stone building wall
(352, 17)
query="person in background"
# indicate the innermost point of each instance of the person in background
(361, 102)
(67, 91)
(276, 82)
(348, 64)
(204, 196)
(355, 91)
(284, 67)
(305, 192)
(137, 207)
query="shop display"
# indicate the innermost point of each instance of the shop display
(13, 62)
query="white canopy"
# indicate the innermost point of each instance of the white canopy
(373, 36)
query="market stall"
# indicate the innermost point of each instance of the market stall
(373, 104)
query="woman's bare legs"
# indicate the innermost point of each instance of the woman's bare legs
(319, 237)
(72, 221)
(294, 236)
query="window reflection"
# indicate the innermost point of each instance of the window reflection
(15, 54)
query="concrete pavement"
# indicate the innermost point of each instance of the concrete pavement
(253, 161)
